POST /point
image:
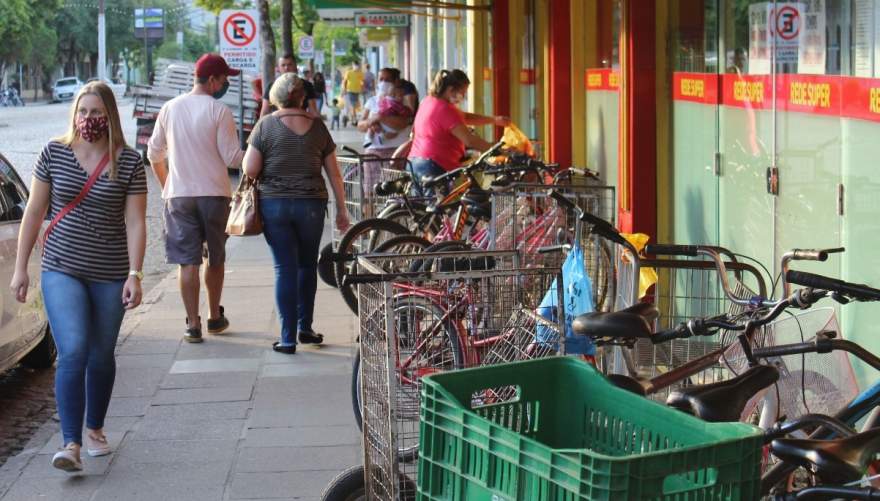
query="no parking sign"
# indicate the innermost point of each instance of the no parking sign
(239, 40)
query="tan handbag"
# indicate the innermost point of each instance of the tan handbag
(244, 214)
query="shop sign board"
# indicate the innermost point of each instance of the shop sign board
(380, 19)
(239, 43)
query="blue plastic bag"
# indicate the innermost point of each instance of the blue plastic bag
(577, 299)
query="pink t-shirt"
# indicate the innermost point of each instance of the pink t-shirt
(433, 133)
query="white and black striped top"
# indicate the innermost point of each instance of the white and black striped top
(90, 241)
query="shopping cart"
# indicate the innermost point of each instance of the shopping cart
(445, 316)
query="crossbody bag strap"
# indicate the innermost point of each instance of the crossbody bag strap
(79, 198)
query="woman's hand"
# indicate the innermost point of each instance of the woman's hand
(501, 120)
(131, 293)
(342, 222)
(19, 285)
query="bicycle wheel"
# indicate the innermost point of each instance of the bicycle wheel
(357, 240)
(325, 265)
(426, 344)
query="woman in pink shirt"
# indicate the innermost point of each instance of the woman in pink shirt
(440, 131)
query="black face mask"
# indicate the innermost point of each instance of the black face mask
(222, 92)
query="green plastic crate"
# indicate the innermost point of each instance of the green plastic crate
(568, 434)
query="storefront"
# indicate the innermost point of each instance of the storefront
(774, 125)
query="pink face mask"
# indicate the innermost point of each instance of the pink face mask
(92, 128)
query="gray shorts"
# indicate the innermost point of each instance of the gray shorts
(195, 229)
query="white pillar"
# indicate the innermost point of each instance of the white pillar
(102, 42)
(419, 42)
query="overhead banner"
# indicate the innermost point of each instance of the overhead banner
(239, 43)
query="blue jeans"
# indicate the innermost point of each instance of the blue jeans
(421, 168)
(85, 318)
(293, 229)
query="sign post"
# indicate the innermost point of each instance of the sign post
(240, 46)
(306, 47)
(239, 43)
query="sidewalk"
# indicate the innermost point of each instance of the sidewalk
(227, 419)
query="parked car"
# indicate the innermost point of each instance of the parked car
(117, 87)
(24, 329)
(65, 89)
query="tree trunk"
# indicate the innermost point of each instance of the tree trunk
(286, 26)
(267, 38)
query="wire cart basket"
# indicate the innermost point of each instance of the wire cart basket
(687, 288)
(360, 174)
(422, 314)
(525, 218)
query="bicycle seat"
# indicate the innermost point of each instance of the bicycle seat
(632, 322)
(390, 188)
(836, 461)
(723, 401)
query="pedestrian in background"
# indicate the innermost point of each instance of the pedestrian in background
(352, 86)
(369, 82)
(193, 144)
(336, 111)
(287, 64)
(95, 188)
(287, 151)
(320, 86)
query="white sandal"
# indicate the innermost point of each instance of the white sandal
(66, 459)
(96, 447)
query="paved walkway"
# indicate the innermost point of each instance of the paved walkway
(227, 419)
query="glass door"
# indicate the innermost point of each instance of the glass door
(693, 32)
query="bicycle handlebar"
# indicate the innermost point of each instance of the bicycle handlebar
(672, 250)
(349, 149)
(859, 292)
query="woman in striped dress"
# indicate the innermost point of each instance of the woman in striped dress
(94, 187)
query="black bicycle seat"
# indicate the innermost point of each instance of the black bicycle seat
(632, 322)
(836, 461)
(723, 401)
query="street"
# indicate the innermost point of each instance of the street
(26, 396)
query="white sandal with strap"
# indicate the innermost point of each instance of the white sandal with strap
(66, 459)
(96, 447)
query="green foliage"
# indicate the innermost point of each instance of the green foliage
(216, 6)
(325, 34)
(194, 45)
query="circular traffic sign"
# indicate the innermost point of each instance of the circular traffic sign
(788, 23)
(306, 44)
(239, 29)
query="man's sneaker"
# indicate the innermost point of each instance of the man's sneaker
(310, 337)
(193, 334)
(66, 459)
(218, 325)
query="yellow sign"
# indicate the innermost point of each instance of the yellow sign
(693, 87)
(379, 35)
(810, 94)
(751, 92)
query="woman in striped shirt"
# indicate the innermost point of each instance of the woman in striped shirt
(94, 187)
(288, 150)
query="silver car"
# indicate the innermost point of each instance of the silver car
(24, 328)
(65, 89)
